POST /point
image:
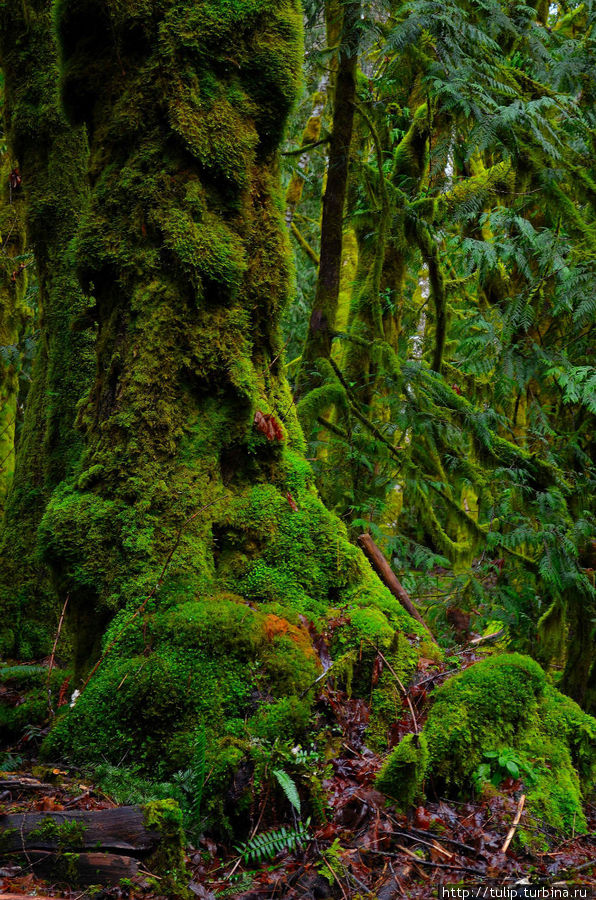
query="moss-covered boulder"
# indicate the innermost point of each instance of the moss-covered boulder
(499, 717)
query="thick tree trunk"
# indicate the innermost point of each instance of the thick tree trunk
(194, 517)
(52, 159)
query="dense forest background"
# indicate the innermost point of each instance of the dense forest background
(297, 406)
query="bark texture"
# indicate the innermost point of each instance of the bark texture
(13, 315)
(322, 320)
(52, 160)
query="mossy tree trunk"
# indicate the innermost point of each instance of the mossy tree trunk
(13, 316)
(52, 160)
(194, 505)
(324, 309)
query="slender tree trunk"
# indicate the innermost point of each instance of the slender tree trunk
(52, 162)
(324, 309)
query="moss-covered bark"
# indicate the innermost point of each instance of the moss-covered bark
(193, 490)
(51, 156)
(13, 315)
(324, 309)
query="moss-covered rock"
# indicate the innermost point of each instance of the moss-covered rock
(506, 703)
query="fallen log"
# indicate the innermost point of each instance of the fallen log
(123, 828)
(6, 896)
(389, 579)
(79, 868)
(24, 783)
(78, 846)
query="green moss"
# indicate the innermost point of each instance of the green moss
(6, 838)
(65, 867)
(178, 487)
(403, 772)
(64, 835)
(168, 861)
(52, 160)
(505, 702)
(30, 682)
(289, 718)
(180, 666)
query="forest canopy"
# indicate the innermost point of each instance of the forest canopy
(297, 407)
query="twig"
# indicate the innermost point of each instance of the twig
(312, 255)
(415, 833)
(426, 862)
(341, 887)
(321, 676)
(305, 148)
(418, 840)
(52, 657)
(583, 867)
(513, 829)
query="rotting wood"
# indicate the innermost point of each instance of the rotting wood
(80, 868)
(24, 783)
(389, 579)
(121, 829)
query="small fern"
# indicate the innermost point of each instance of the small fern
(190, 782)
(268, 844)
(288, 785)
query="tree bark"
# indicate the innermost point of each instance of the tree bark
(388, 577)
(119, 829)
(322, 320)
(52, 159)
(77, 868)
(13, 315)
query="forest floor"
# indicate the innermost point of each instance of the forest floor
(366, 848)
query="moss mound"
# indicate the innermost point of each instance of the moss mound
(403, 773)
(217, 660)
(504, 710)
